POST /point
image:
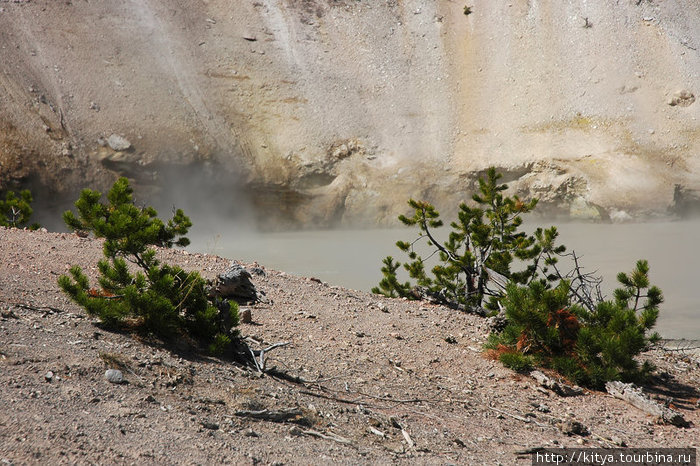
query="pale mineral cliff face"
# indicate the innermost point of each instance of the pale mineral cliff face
(336, 111)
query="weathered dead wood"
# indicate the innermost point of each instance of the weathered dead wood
(260, 364)
(680, 346)
(526, 420)
(408, 438)
(557, 387)
(637, 398)
(283, 415)
(30, 307)
(529, 451)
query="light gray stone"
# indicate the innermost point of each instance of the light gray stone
(114, 376)
(118, 143)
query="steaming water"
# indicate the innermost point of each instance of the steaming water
(353, 258)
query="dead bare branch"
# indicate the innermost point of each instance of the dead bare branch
(526, 420)
(333, 437)
(637, 398)
(284, 415)
(259, 355)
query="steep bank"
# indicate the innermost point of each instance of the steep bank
(335, 112)
(372, 381)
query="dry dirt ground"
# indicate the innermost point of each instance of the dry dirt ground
(364, 380)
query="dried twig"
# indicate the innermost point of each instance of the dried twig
(255, 361)
(333, 437)
(529, 451)
(30, 307)
(584, 287)
(519, 418)
(681, 345)
(603, 439)
(283, 415)
(260, 364)
(333, 398)
(408, 438)
(379, 398)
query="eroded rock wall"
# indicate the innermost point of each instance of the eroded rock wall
(336, 111)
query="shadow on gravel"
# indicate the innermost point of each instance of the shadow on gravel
(183, 347)
(668, 389)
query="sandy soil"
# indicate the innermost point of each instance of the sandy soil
(364, 380)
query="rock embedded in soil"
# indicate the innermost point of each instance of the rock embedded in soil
(235, 283)
(210, 425)
(118, 143)
(572, 427)
(382, 307)
(682, 98)
(251, 433)
(246, 316)
(114, 376)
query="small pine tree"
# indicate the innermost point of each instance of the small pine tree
(590, 346)
(483, 244)
(389, 285)
(15, 211)
(159, 298)
(618, 330)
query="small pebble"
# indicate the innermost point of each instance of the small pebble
(48, 376)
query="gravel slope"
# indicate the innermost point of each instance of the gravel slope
(360, 371)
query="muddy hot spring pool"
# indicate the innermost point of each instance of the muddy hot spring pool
(352, 258)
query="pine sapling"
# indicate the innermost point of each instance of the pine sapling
(133, 285)
(480, 251)
(16, 210)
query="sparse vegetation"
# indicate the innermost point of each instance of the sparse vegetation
(16, 210)
(481, 249)
(114, 360)
(589, 346)
(159, 298)
(553, 319)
